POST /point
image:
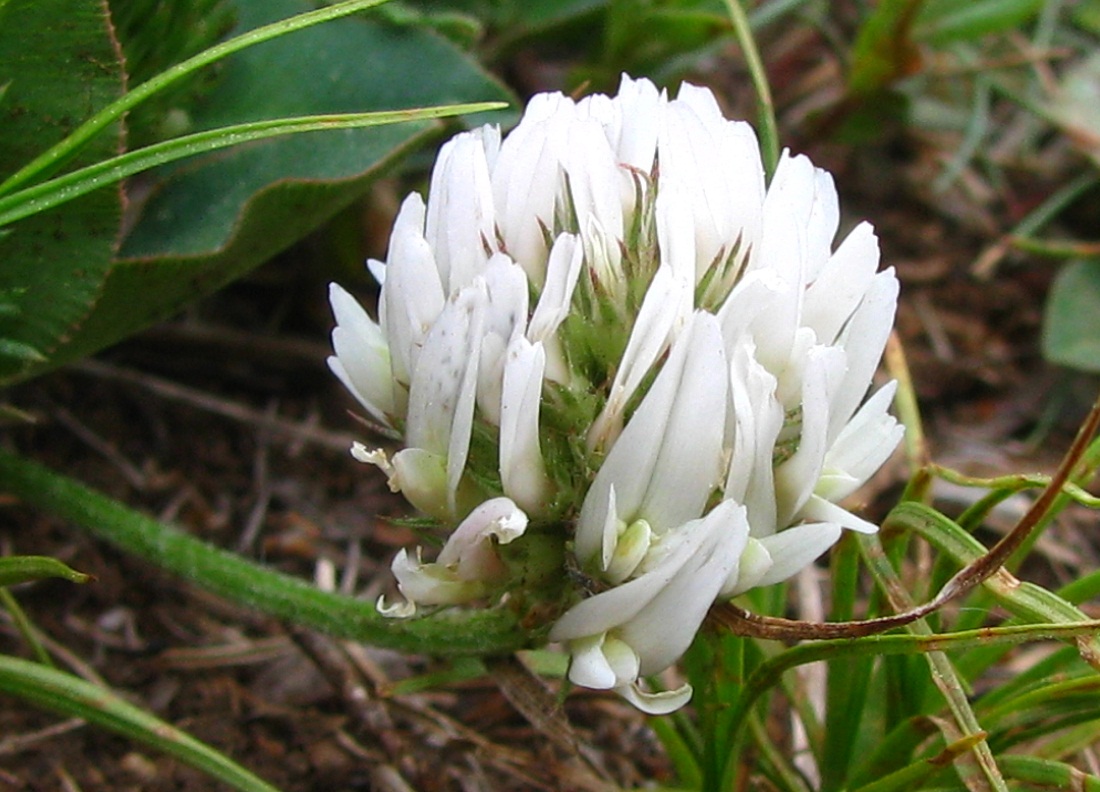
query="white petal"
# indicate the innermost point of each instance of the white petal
(862, 446)
(660, 313)
(755, 422)
(817, 509)
(639, 104)
(460, 221)
(796, 548)
(838, 290)
(754, 563)
(796, 477)
(598, 188)
(526, 178)
(522, 471)
(562, 270)
(666, 462)
(362, 359)
(412, 294)
(720, 159)
(665, 628)
(864, 339)
(588, 667)
(505, 318)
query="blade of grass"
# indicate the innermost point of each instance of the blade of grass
(767, 674)
(911, 776)
(69, 695)
(1048, 774)
(684, 760)
(62, 189)
(943, 673)
(847, 680)
(24, 626)
(56, 156)
(769, 130)
(1021, 598)
(22, 569)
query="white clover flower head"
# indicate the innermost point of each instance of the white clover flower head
(606, 322)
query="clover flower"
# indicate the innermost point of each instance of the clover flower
(610, 349)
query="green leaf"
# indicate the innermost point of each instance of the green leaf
(222, 215)
(1071, 321)
(213, 217)
(21, 569)
(61, 65)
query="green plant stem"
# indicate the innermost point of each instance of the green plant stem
(769, 130)
(70, 695)
(446, 633)
(56, 156)
(62, 189)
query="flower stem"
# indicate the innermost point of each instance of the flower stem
(447, 633)
(769, 130)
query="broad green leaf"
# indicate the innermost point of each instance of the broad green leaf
(60, 65)
(1071, 321)
(943, 21)
(22, 569)
(212, 218)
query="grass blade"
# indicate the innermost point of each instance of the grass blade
(72, 696)
(62, 189)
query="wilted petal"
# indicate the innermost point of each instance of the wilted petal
(661, 703)
(468, 563)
